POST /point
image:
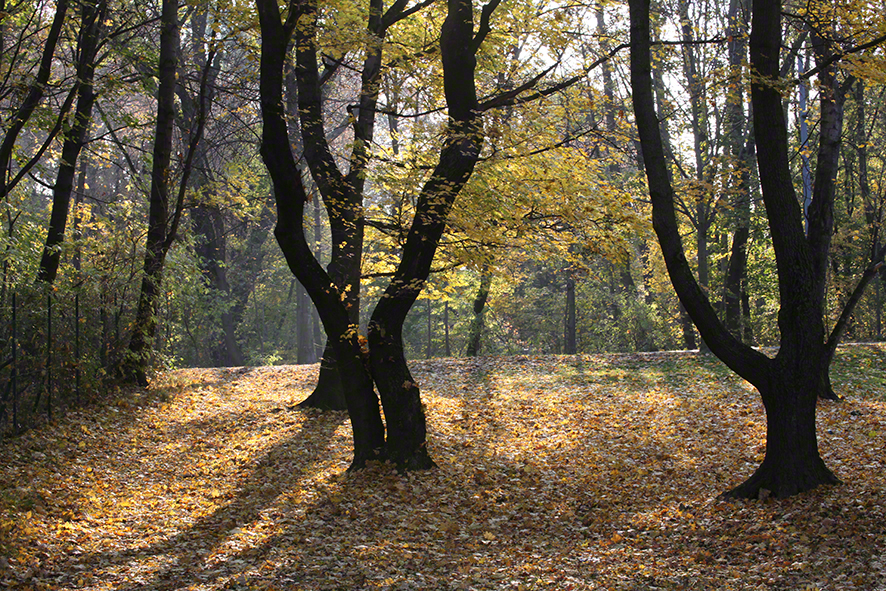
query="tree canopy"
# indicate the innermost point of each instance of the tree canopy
(440, 179)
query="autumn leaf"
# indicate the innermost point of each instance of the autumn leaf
(552, 475)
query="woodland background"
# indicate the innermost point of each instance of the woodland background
(167, 168)
(547, 250)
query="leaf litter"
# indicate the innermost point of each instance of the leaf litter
(554, 472)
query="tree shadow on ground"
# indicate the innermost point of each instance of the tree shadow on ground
(181, 558)
(587, 486)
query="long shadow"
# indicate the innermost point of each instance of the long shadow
(185, 552)
(387, 529)
(378, 529)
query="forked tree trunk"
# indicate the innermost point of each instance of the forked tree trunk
(342, 193)
(290, 196)
(405, 418)
(792, 463)
(791, 383)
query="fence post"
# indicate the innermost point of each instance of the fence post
(14, 376)
(77, 347)
(49, 355)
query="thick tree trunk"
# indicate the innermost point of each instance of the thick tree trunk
(404, 414)
(329, 393)
(792, 463)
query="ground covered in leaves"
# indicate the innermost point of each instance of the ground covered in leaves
(587, 472)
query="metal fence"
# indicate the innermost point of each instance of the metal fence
(41, 360)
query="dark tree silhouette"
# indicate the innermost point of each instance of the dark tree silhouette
(791, 382)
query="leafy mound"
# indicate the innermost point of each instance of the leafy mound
(587, 472)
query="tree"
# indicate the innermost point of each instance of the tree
(290, 196)
(91, 28)
(342, 193)
(30, 101)
(161, 230)
(479, 309)
(791, 382)
(735, 304)
(462, 139)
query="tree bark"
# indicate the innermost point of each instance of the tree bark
(290, 196)
(92, 18)
(329, 392)
(789, 384)
(137, 362)
(792, 463)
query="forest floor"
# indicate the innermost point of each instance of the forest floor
(585, 472)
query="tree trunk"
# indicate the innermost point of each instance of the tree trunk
(475, 333)
(741, 151)
(329, 393)
(137, 361)
(32, 99)
(304, 308)
(290, 196)
(790, 383)
(569, 339)
(212, 249)
(406, 444)
(92, 19)
(342, 193)
(792, 463)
